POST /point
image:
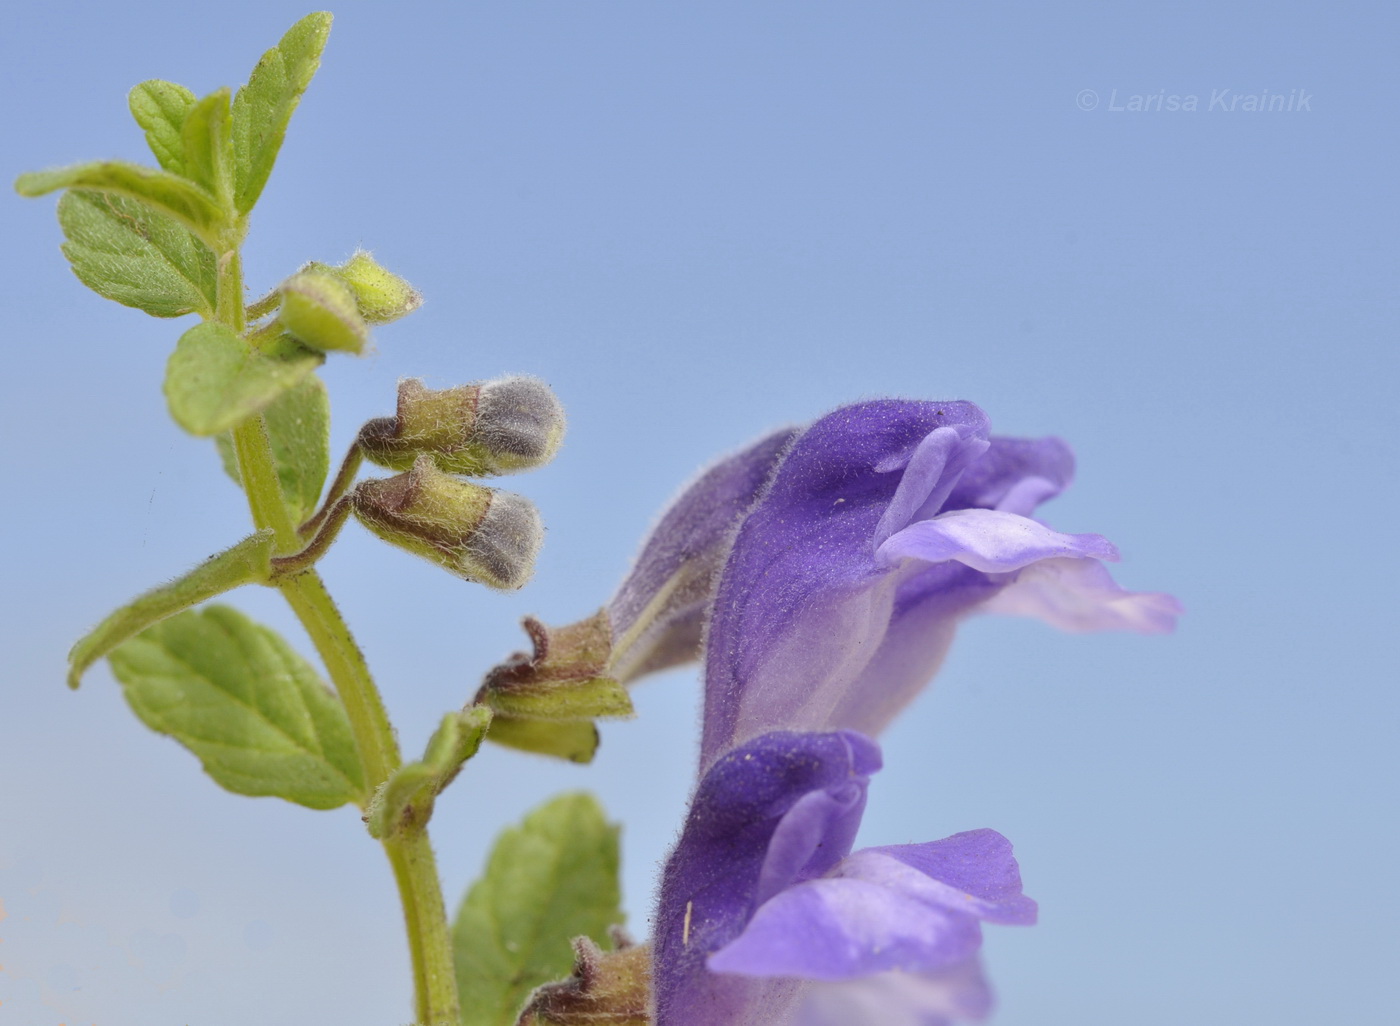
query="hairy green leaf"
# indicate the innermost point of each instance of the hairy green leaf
(263, 107)
(215, 379)
(411, 791)
(576, 741)
(549, 880)
(299, 428)
(246, 562)
(160, 108)
(169, 194)
(252, 710)
(126, 251)
(208, 145)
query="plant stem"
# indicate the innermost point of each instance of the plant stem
(410, 853)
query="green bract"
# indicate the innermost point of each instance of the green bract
(549, 880)
(563, 700)
(573, 740)
(215, 379)
(410, 792)
(237, 696)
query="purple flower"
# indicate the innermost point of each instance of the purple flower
(882, 526)
(765, 917)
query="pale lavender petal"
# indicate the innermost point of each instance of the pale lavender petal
(990, 541)
(657, 614)
(710, 879)
(973, 871)
(1080, 595)
(842, 928)
(913, 907)
(959, 993)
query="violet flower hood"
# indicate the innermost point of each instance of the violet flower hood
(880, 528)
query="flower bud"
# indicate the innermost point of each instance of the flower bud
(480, 534)
(382, 295)
(495, 427)
(319, 311)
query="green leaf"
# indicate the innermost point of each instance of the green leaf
(215, 379)
(263, 107)
(169, 194)
(580, 699)
(549, 880)
(299, 429)
(576, 741)
(411, 791)
(208, 145)
(160, 108)
(252, 710)
(246, 562)
(126, 251)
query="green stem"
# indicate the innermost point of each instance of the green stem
(228, 308)
(410, 853)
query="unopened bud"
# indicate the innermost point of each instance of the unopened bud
(495, 427)
(382, 295)
(319, 310)
(478, 533)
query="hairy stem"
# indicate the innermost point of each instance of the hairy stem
(410, 852)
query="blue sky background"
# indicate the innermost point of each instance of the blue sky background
(698, 222)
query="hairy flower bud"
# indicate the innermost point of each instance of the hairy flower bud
(320, 311)
(480, 534)
(382, 295)
(494, 427)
